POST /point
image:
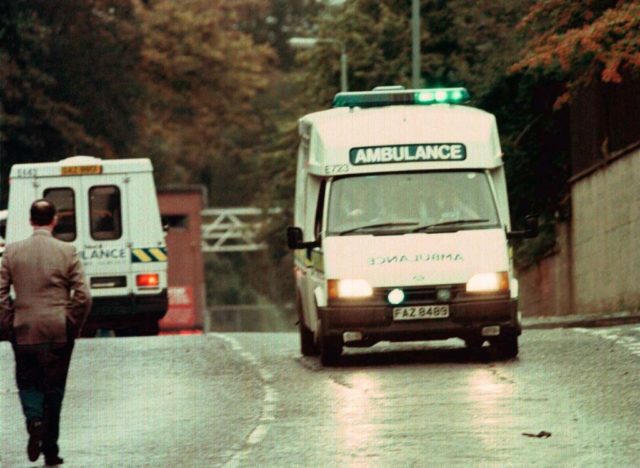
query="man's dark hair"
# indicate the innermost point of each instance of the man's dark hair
(42, 212)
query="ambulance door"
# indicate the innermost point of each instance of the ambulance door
(66, 195)
(105, 248)
(314, 271)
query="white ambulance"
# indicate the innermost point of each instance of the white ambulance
(402, 224)
(108, 209)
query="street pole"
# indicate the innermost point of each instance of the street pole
(344, 87)
(415, 44)
(307, 42)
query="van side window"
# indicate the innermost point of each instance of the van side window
(64, 201)
(105, 210)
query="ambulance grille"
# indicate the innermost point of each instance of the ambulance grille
(422, 294)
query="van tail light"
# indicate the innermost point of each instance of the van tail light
(148, 280)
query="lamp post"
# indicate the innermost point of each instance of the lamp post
(308, 42)
(415, 44)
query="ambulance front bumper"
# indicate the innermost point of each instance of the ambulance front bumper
(376, 323)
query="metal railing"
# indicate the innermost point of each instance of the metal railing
(233, 229)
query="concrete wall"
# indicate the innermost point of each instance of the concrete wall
(606, 237)
(596, 266)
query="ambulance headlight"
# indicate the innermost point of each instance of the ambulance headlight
(349, 288)
(489, 282)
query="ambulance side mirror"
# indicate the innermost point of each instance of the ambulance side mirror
(530, 229)
(531, 226)
(294, 239)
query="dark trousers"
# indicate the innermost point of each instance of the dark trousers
(41, 375)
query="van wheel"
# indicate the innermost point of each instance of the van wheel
(330, 350)
(150, 328)
(308, 346)
(124, 332)
(506, 346)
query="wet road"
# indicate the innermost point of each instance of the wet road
(252, 400)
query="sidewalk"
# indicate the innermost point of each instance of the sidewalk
(570, 321)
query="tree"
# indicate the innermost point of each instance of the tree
(63, 79)
(570, 45)
(462, 43)
(579, 42)
(202, 73)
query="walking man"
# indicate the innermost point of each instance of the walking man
(51, 303)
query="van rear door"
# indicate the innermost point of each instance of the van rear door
(105, 252)
(91, 214)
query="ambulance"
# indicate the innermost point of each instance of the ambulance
(402, 225)
(108, 209)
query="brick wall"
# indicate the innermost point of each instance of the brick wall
(545, 288)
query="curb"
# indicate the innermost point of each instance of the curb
(587, 321)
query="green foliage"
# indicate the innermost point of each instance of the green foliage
(462, 43)
(277, 21)
(225, 283)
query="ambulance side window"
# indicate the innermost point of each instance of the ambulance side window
(317, 227)
(105, 212)
(64, 201)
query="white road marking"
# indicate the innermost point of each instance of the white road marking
(269, 403)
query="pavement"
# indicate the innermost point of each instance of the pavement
(587, 321)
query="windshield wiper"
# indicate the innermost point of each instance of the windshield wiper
(448, 223)
(378, 225)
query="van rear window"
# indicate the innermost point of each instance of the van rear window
(64, 201)
(105, 212)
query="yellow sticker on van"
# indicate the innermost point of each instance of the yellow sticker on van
(80, 170)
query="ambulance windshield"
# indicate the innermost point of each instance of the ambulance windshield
(411, 202)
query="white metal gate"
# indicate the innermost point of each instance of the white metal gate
(233, 229)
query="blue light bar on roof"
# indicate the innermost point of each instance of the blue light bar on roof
(379, 98)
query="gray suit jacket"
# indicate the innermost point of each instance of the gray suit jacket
(50, 289)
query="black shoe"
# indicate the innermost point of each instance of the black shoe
(53, 460)
(35, 439)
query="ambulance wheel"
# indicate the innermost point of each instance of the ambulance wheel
(474, 345)
(506, 346)
(308, 345)
(330, 350)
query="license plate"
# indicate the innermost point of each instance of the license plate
(420, 312)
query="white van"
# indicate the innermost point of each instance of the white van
(402, 224)
(108, 210)
(3, 229)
